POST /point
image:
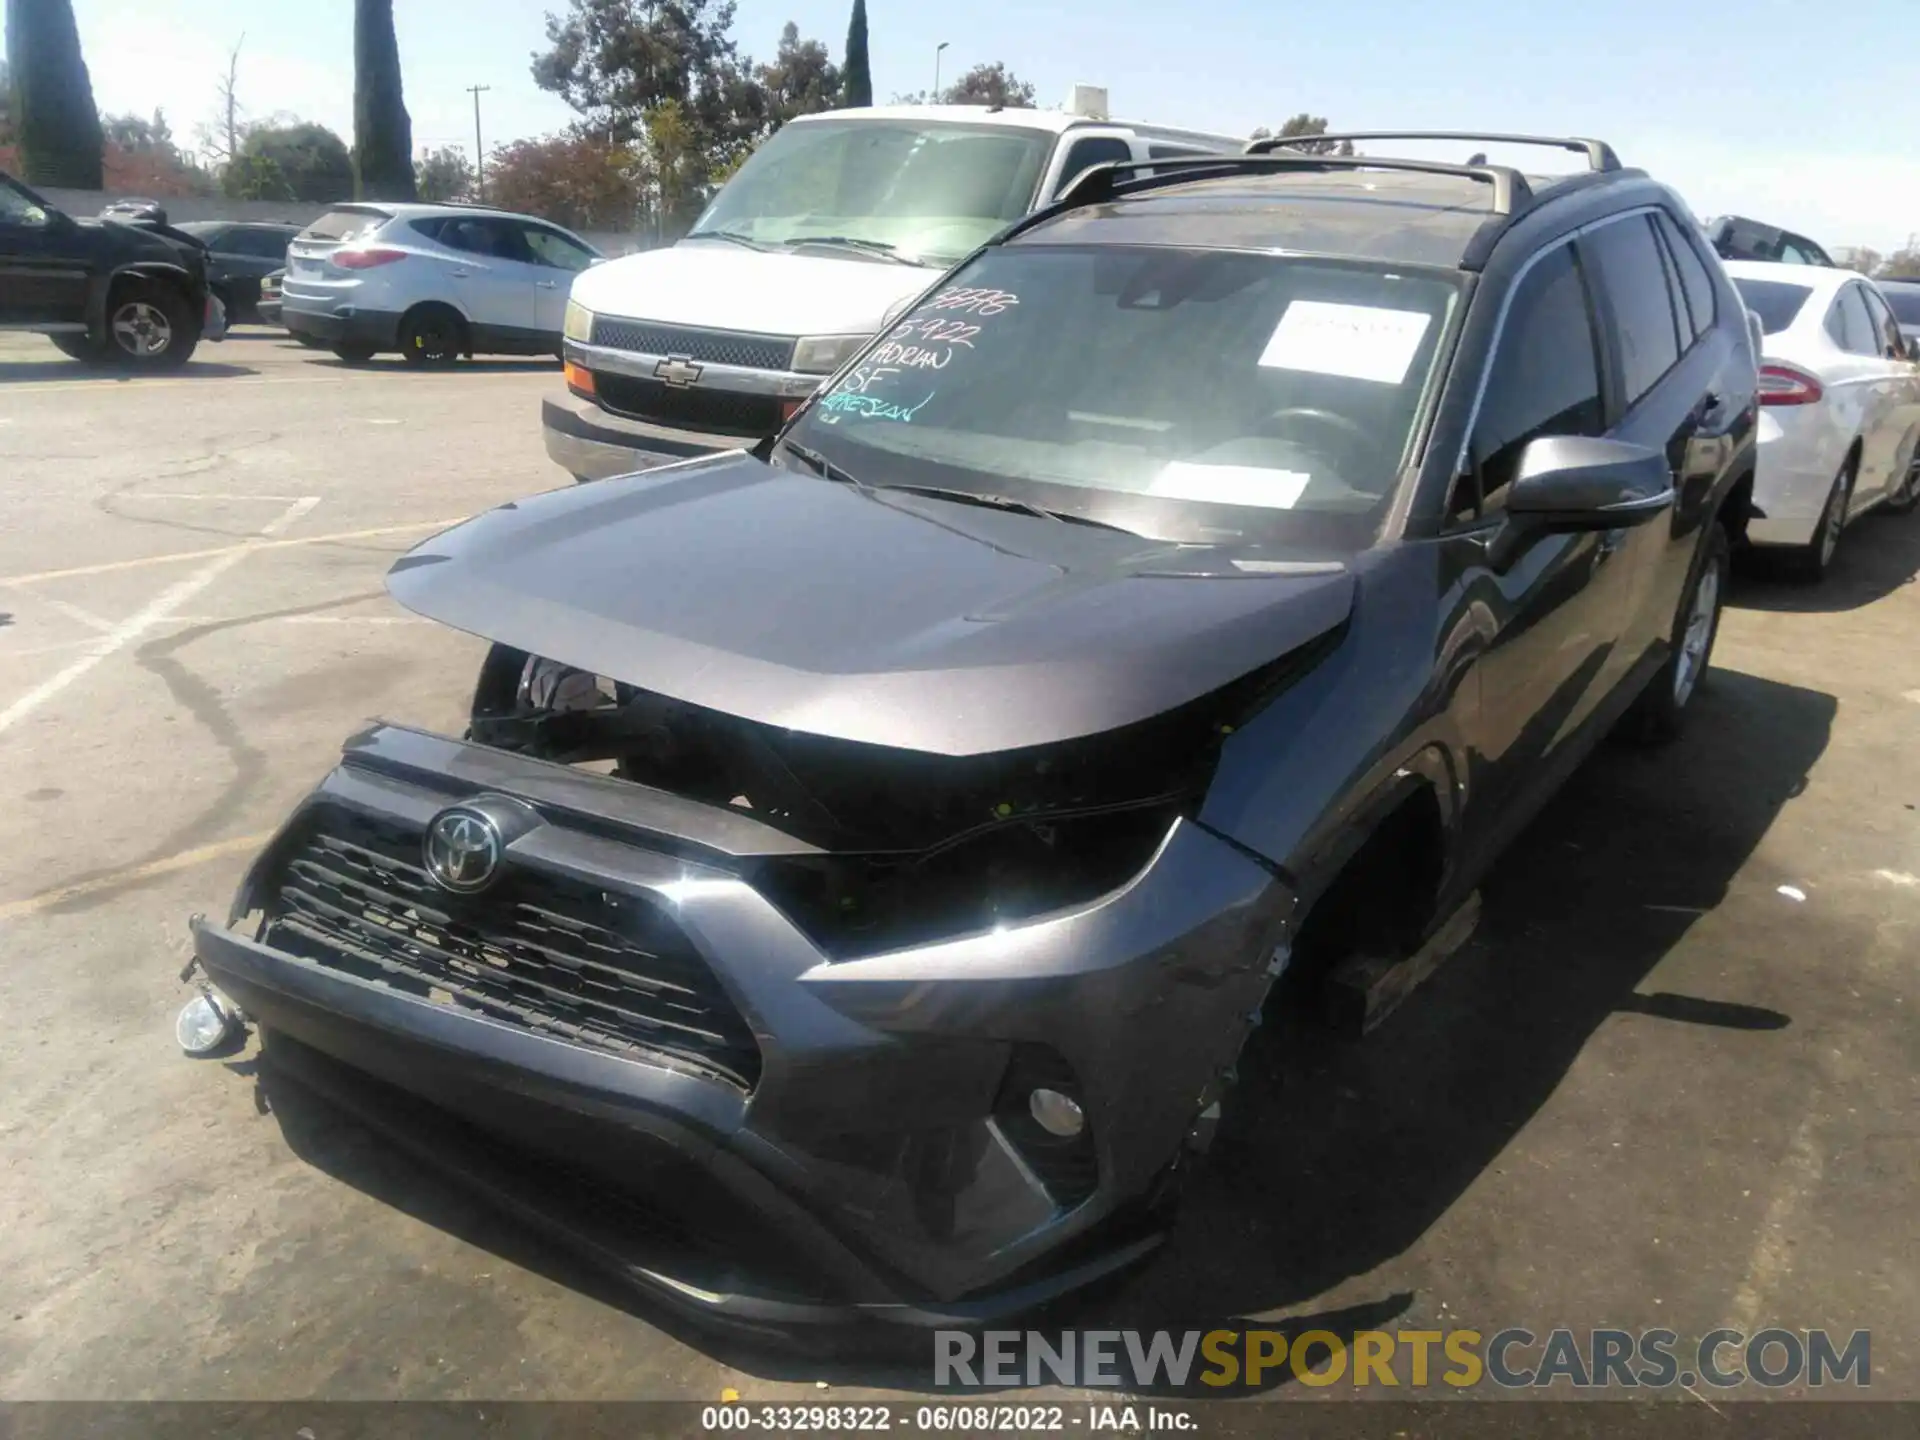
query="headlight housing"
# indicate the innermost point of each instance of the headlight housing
(579, 323)
(824, 354)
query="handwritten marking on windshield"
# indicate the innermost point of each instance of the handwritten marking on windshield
(912, 357)
(868, 407)
(974, 301)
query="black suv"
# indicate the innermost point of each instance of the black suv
(105, 291)
(877, 849)
(240, 255)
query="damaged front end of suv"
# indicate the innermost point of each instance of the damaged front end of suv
(794, 985)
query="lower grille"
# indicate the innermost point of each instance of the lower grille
(535, 950)
(688, 407)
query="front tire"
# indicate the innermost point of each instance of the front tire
(77, 347)
(354, 354)
(1661, 710)
(149, 327)
(432, 336)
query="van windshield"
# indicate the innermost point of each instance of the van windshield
(1183, 394)
(924, 191)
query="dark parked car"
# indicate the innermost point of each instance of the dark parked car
(242, 254)
(104, 291)
(267, 307)
(1734, 237)
(874, 851)
(1904, 298)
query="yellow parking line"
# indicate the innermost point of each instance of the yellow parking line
(153, 869)
(179, 555)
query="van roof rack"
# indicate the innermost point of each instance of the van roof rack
(1600, 155)
(1511, 193)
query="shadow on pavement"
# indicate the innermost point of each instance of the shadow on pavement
(1878, 554)
(503, 365)
(1333, 1173)
(58, 367)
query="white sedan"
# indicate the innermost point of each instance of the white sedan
(1840, 407)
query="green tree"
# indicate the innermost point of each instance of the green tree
(443, 174)
(139, 136)
(382, 129)
(1904, 263)
(56, 126)
(800, 80)
(613, 61)
(303, 160)
(1302, 127)
(986, 84)
(859, 74)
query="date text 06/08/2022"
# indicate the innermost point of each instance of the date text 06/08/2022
(971, 1418)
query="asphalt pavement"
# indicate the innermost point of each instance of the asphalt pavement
(1674, 1080)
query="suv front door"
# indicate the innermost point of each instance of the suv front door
(558, 258)
(43, 264)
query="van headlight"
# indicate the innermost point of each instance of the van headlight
(824, 354)
(579, 324)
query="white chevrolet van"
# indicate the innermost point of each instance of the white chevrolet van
(710, 343)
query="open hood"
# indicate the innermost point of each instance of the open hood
(888, 618)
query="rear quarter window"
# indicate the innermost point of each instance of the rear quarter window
(1777, 302)
(340, 225)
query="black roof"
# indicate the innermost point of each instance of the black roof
(1368, 207)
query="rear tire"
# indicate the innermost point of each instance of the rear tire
(1812, 561)
(354, 354)
(1904, 500)
(1661, 711)
(432, 335)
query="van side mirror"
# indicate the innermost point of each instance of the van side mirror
(1571, 483)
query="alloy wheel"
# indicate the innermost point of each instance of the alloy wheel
(1697, 641)
(141, 329)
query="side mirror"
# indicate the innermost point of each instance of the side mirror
(1569, 483)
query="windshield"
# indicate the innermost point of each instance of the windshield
(929, 191)
(1198, 395)
(1776, 302)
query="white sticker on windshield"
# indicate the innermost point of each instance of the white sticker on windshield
(1358, 341)
(1229, 484)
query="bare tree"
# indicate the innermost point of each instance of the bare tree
(222, 137)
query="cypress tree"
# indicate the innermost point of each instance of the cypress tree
(859, 75)
(382, 130)
(55, 124)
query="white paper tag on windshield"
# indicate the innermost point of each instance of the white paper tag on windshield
(1229, 484)
(1358, 341)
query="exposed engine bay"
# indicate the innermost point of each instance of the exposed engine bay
(921, 845)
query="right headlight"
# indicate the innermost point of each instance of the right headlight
(579, 324)
(824, 354)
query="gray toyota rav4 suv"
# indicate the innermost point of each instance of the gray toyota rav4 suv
(867, 857)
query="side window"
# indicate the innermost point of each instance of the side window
(1627, 265)
(1886, 329)
(429, 227)
(553, 249)
(1544, 379)
(1792, 254)
(1175, 152)
(1695, 280)
(17, 209)
(494, 239)
(263, 244)
(1849, 323)
(1093, 150)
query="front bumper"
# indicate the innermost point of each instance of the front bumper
(866, 1157)
(590, 444)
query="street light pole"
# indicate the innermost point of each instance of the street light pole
(479, 156)
(936, 69)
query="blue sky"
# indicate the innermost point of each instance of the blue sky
(1755, 106)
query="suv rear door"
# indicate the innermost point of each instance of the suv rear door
(493, 276)
(1859, 383)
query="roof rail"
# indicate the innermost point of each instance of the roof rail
(1600, 155)
(1511, 193)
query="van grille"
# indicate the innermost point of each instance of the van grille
(535, 950)
(716, 347)
(691, 408)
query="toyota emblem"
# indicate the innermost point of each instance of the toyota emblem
(463, 849)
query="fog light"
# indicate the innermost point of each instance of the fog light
(1057, 1114)
(204, 1025)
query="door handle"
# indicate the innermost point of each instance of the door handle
(543, 284)
(459, 274)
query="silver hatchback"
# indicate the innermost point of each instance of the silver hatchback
(434, 282)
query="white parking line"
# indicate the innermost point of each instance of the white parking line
(157, 613)
(60, 895)
(244, 547)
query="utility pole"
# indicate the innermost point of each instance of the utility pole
(479, 156)
(934, 98)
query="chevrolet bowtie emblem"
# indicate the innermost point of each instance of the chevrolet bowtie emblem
(677, 370)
